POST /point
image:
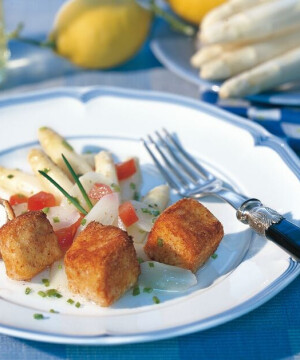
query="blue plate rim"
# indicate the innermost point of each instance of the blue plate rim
(263, 98)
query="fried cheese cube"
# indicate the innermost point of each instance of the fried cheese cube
(186, 234)
(28, 245)
(101, 265)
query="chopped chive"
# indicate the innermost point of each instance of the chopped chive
(151, 212)
(42, 293)
(156, 300)
(46, 170)
(38, 316)
(160, 242)
(115, 187)
(78, 304)
(71, 199)
(56, 219)
(70, 301)
(28, 290)
(142, 231)
(10, 176)
(132, 186)
(43, 128)
(46, 282)
(151, 264)
(214, 256)
(136, 291)
(136, 196)
(75, 177)
(140, 260)
(83, 222)
(53, 311)
(46, 210)
(147, 290)
(146, 211)
(53, 293)
(67, 145)
(59, 266)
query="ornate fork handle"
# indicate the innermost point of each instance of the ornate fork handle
(268, 222)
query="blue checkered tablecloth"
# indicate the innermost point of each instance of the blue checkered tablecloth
(270, 332)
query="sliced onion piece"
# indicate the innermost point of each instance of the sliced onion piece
(130, 187)
(62, 216)
(146, 215)
(158, 197)
(166, 277)
(119, 223)
(90, 178)
(138, 235)
(58, 277)
(87, 180)
(104, 212)
(20, 209)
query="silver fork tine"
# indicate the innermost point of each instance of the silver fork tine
(170, 165)
(201, 169)
(161, 169)
(178, 160)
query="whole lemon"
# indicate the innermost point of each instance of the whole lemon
(193, 10)
(99, 34)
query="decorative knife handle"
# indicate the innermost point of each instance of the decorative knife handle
(267, 222)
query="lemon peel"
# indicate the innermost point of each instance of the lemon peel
(193, 10)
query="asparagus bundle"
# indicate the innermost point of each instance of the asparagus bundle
(207, 53)
(253, 43)
(228, 9)
(233, 62)
(274, 72)
(259, 21)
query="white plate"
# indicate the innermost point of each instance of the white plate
(174, 51)
(248, 270)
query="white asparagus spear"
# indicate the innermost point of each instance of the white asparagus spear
(104, 164)
(18, 182)
(55, 145)
(258, 22)
(38, 160)
(228, 9)
(241, 59)
(207, 53)
(282, 69)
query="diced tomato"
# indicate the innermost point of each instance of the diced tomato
(66, 235)
(18, 199)
(41, 200)
(99, 190)
(126, 169)
(127, 213)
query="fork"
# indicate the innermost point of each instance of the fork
(190, 179)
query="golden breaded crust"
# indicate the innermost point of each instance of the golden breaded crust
(101, 264)
(28, 245)
(186, 234)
